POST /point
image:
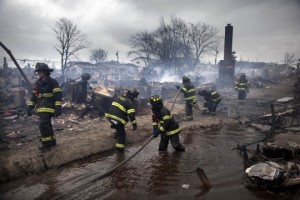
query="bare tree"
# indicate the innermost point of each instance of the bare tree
(169, 37)
(98, 55)
(204, 39)
(70, 40)
(143, 45)
(175, 42)
(289, 58)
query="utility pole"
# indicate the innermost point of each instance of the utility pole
(117, 54)
(216, 57)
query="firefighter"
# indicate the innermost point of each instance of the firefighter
(46, 99)
(82, 88)
(165, 125)
(211, 100)
(242, 87)
(121, 111)
(190, 98)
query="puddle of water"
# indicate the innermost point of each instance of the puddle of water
(152, 174)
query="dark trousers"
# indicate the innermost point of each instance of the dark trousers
(46, 130)
(120, 134)
(205, 105)
(174, 139)
(212, 106)
(242, 94)
(189, 109)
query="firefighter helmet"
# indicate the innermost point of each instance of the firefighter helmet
(42, 67)
(135, 93)
(86, 76)
(185, 79)
(243, 75)
(132, 94)
(155, 100)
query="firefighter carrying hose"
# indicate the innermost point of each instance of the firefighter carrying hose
(190, 98)
(165, 125)
(242, 87)
(121, 109)
(46, 99)
(211, 100)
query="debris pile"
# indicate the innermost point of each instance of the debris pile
(273, 175)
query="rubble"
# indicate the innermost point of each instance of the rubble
(285, 146)
(15, 135)
(273, 175)
(285, 99)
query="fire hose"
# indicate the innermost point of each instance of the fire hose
(101, 176)
(193, 105)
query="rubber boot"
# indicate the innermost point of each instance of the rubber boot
(53, 142)
(180, 148)
(45, 146)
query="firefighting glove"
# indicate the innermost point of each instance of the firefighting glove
(134, 127)
(29, 110)
(177, 87)
(155, 132)
(57, 111)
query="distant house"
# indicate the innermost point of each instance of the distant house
(105, 70)
(266, 70)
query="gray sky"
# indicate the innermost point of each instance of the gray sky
(264, 30)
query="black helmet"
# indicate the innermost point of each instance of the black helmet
(185, 79)
(155, 100)
(132, 94)
(243, 75)
(42, 67)
(135, 93)
(86, 76)
(156, 103)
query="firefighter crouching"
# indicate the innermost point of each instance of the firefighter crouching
(211, 100)
(242, 87)
(190, 98)
(165, 125)
(121, 109)
(47, 100)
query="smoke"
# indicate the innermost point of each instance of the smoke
(203, 75)
(208, 76)
(169, 78)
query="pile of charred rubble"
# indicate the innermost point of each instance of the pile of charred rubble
(275, 162)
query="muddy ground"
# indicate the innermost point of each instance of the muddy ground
(78, 139)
